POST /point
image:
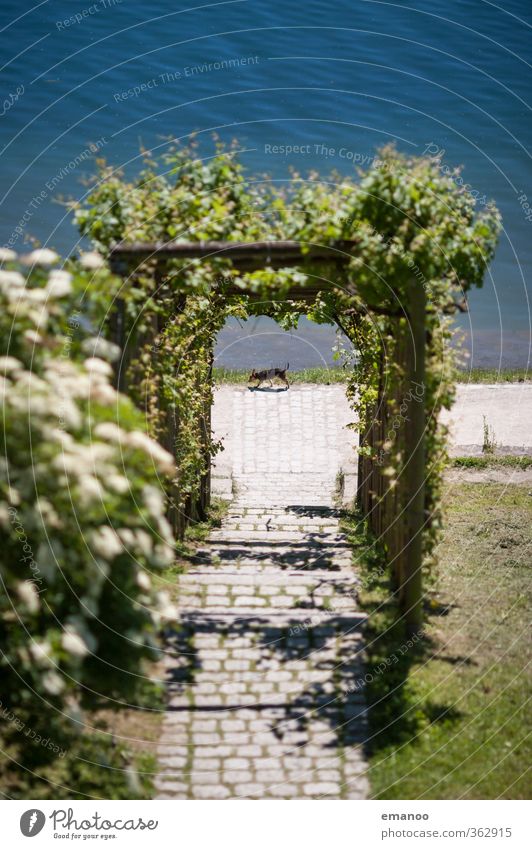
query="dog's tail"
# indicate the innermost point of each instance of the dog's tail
(287, 366)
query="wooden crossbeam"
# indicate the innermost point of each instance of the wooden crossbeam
(245, 256)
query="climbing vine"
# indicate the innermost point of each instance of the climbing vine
(415, 229)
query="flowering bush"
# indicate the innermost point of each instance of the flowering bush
(81, 508)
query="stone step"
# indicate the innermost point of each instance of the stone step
(266, 522)
(259, 539)
(320, 511)
(269, 560)
(267, 535)
(265, 675)
(267, 588)
(246, 608)
(279, 618)
(243, 565)
(246, 573)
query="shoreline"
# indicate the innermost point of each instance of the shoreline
(337, 375)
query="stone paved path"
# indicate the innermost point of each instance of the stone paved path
(265, 676)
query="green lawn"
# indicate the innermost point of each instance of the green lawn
(336, 374)
(111, 756)
(491, 461)
(493, 375)
(449, 719)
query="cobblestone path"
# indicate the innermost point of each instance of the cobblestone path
(265, 692)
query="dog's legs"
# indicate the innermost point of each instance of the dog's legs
(283, 378)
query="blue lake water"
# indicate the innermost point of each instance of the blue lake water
(330, 80)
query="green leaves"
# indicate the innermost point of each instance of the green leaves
(82, 517)
(413, 223)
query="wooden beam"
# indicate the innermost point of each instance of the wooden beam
(245, 256)
(251, 256)
(415, 470)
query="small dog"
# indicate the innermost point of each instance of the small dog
(269, 374)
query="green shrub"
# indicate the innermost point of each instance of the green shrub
(82, 521)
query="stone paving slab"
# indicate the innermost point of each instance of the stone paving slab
(303, 431)
(506, 409)
(266, 672)
(242, 418)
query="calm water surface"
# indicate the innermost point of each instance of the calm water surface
(337, 79)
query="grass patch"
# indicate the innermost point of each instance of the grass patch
(112, 756)
(195, 534)
(448, 715)
(326, 376)
(514, 461)
(93, 768)
(493, 375)
(337, 374)
(199, 531)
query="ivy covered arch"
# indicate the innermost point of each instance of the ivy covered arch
(388, 258)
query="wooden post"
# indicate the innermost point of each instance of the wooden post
(412, 595)
(398, 535)
(205, 483)
(116, 322)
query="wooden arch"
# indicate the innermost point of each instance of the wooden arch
(400, 529)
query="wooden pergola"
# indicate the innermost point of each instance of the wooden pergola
(401, 531)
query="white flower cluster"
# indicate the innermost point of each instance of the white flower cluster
(85, 488)
(22, 301)
(91, 471)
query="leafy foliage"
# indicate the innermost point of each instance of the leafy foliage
(81, 505)
(82, 521)
(413, 225)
